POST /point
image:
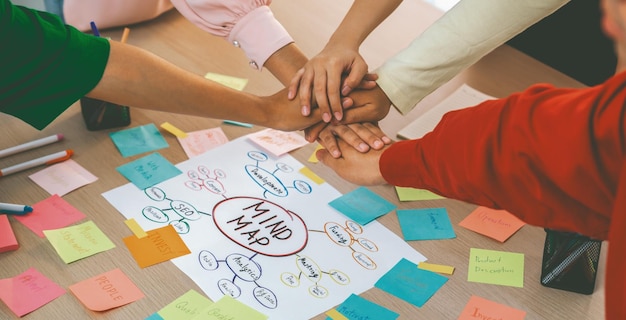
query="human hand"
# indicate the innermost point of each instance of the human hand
(284, 114)
(360, 136)
(354, 166)
(366, 106)
(324, 74)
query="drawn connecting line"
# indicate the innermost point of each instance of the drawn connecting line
(345, 237)
(269, 181)
(184, 211)
(202, 180)
(310, 269)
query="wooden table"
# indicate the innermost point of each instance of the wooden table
(311, 23)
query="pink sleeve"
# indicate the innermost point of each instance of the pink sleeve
(249, 25)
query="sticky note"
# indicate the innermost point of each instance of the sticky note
(63, 177)
(229, 81)
(147, 171)
(199, 142)
(79, 241)
(135, 228)
(138, 140)
(356, 307)
(425, 224)
(173, 130)
(439, 268)
(496, 267)
(8, 242)
(155, 316)
(306, 171)
(481, 308)
(229, 308)
(28, 292)
(496, 224)
(237, 123)
(160, 245)
(313, 157)
(333, 314)
(51, 213)
(409, 283)
(412, 194)
(277, 142)
(106, 291)
(362, 205)
(193, 303)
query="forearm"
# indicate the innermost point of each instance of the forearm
(285, 62)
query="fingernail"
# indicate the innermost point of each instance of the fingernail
(386, 140)
(378, 144)
(305, 111)
(336, 154)
(345, 90)
(363, 147)
(326, 117)
(338, 115)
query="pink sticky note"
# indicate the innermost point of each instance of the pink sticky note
(28, 291)
(278, 142)
(496, 224)
(479, 308)
(198, 142)
(106, 291)
(8, 242)
(50, 213)
(63, 177)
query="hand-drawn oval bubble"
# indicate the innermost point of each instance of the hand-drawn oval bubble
(339, 277)
(367, 245)
(302, 186)
(284, 167)
(155, 193)
(208, 261)
(182, 227)
(185, 210)
(266, 180)
(318, 291)
(261, 226)
(290, 279)
(193, 185)
(243, 267)
(354, 227)
(220, 173)
(309, 268)
(257, 155)
(338, 234)
(228, 287)
(193, 175)
(365, 261)
(205, 171)
(265, 297)
(214, 186)
(155, 214)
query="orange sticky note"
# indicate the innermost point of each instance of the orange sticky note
(479, 308)
(159, 245)
(8, 242)
(496, 224)
(106, 291)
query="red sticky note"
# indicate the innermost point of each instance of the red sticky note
(159, 245)
(496, 224)
(106, 291)
(479, 308)
(28, 291)
(50, 213)
(8, 242)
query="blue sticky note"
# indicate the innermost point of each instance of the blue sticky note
(356, 307)
(362, 205)
(409, 283)
(425, 224)
(154, 316)
(138, 140)
(148, 171)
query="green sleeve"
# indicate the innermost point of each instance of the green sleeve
(45, 66)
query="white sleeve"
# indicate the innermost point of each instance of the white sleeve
(462, 36)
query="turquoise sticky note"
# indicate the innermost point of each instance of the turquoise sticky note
(362, 205)
(425, 224)
(409, 283)
(138, 140)
(154, 316)
(148, 171)
(356, 307)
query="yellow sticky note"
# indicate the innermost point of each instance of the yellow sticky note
(228, 307)
(193, 303)
(313, 157)
(135, 228)
(79, 241)
(496, 267)
(173, 130)
(311, 175)
(439, 268)
(232, 82)
(335, 315)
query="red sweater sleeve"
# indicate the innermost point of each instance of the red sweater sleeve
(550, 156)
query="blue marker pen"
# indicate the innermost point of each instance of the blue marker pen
(94, 29)
(17, 209)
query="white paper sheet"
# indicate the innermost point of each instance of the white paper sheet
(262, 232)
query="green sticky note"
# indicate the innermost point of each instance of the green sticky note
(185, 307)
(412, 194)
(230, 308)
(496, 267)
(79, 241)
